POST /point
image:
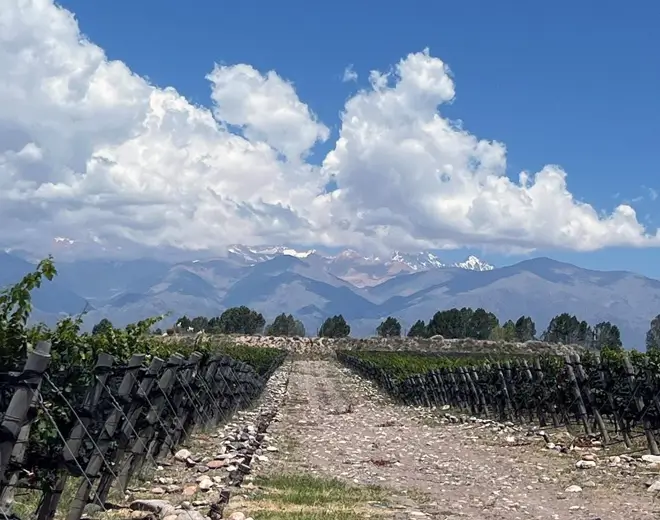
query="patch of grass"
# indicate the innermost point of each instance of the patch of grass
(26, 501)
(309, 497)
(303, 489)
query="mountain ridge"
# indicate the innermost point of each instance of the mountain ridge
(312, 288)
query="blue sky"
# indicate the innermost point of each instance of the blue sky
(568, 83)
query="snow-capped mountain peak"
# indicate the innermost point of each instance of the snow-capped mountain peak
(473, 263)
(254, 255)
(417, 261)
(410, 262)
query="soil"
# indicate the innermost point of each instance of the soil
(336, 424)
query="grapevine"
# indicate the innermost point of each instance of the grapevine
(65, 387)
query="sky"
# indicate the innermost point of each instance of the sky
(150, 126)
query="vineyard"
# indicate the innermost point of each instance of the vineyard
(90, 412)
(613, 397)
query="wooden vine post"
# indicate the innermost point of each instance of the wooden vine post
(142, 443)
(575, 387)
(78, 433)
(524, 368)
(586, 389)
(127, 433)
(639, 404)
(105, 438)
(14, 427)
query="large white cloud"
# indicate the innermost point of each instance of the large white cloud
(91, 151)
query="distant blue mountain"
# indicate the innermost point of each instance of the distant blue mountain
(52, 298)
(312, 287)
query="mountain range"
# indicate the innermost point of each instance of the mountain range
(314, 285)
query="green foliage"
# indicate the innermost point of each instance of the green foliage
(15, 308)
(199, 323)
(389, 328)
(506, 332)
(235, 320)
(463, 323)
(335, 327)
(451, 323)
(653, 335)
(400, 365)
(567, 329)
(73, 357)
(606, 335)
(184, 322)
(239, 320)
(481, 324)
(261, 359)
(418, 330)
(285, 325)
(525, 329)
(102, 327)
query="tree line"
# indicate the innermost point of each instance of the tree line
(243, 320)
(481, 324)
(451, 324)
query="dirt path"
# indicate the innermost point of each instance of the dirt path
(336, 424)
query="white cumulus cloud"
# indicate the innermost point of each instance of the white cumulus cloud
(266, 107)
(91, 151)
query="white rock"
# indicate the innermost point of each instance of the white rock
(655, 487)
(651, 458)
(182, 455)
(573, 489)
(206, 484)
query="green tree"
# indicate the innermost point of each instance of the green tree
(607, 335)
(390, 327)
(285, 325)
(585, 335)
(506, 332)
(214, 326)
(509, 329)
(199, 323)
(240, 320)
(481, 324)
(335, 327)
(184, 322)
(653, 335)
(299, 329)
(102, 327)
(418, 330)
(525, 329)
(451, 324)
(567, 329)
(561, 329)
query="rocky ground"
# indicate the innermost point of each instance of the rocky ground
(339, 425)
(339, 450)
(315, 346)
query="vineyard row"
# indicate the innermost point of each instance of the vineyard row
(103, 433)
(609, 396)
